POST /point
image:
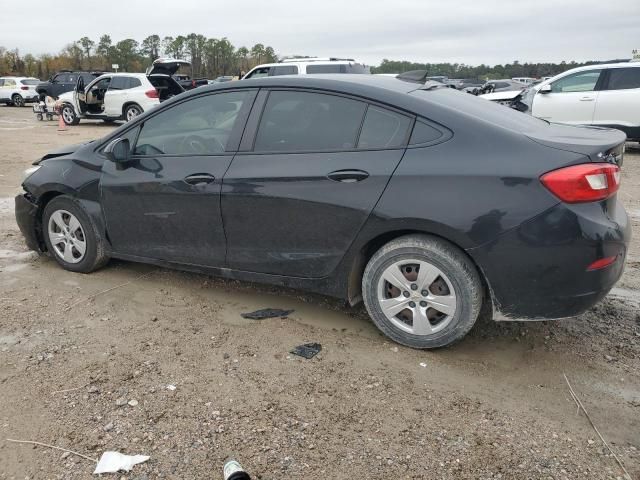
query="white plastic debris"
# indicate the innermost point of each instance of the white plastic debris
(171, 387)
(423, 365)
(112, 462)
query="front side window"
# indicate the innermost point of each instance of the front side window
(199, 126)
(284, 70)
(259, 72)
(624, 78)
(304, 121)
(383, 129)
(578, 82)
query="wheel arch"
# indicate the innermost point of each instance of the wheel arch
(370, 247)
(92, 209)
(129, 104)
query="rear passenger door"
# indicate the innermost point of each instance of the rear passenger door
(310, 169)
(118, 94)
(618, 103)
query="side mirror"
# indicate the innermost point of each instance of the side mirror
(545, 88)
(119, 150)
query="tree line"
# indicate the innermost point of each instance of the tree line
(483, 72)
(209, 57)
(212, 57)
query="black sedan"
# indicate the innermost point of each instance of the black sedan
(428, 204)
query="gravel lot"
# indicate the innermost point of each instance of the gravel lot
(94, 373)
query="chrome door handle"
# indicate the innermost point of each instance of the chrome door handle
(348, 176)
(587, 99)
(199, 179)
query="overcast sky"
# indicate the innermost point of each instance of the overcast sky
(463, 31)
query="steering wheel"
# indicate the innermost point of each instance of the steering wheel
(199, 146)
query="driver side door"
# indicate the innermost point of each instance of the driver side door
(164, 203)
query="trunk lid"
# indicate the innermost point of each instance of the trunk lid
(166, 66)
(600, 144)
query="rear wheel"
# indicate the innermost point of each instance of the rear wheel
(17, 100)
(422, 291)
(131, 112)
(69, 116)
(71, 237)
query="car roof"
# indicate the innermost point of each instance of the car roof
(604, 65)
(123, 74)
(6, 77)
(307, 62)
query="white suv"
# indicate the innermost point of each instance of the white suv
(307, 66)
(17, 91)
(121, 96)
(606, 95)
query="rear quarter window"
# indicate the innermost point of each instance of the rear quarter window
(383, 128)
(423, 133)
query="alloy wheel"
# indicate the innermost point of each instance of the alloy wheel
(68, 115)
(67, 236)
(18, 101)
(132, 112)
(416, 297)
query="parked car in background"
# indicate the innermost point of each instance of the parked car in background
(119, 96)
(506, 85)
(64, 81)
(525, 80)
(606, 95)
(17, 91)
(187, 83)
(221, 79)
(428, 204)
(307, 66)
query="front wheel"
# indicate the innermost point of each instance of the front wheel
(17, 100)
(72, 237)
(422, 292)
(69, 116)
(131, 112)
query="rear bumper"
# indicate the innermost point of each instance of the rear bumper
(539, 270)
(26, 216)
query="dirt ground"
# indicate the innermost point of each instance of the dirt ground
(98, 373)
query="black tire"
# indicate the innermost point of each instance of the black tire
(17, 100)
(131, 111)
(95, 255)
(458, 268)
(69, 116)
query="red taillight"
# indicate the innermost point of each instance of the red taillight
(589, 182)
(24, 87)
(601, 263)
(152, 93)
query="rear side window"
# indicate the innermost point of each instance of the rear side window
(1, 82)
(9, 82)
(327, 68)
(624, 78)
(199, 126)
(284, 70)
(118, 83)
(124, 83)
(304, 121)
(383, 129)
(423, 133)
